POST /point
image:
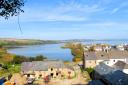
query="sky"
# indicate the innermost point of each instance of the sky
(69, 19)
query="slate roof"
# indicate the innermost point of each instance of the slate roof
(42, 65)
(103, 69)
(96, 55)
(113, 54)
(115, 77)
(95, 82)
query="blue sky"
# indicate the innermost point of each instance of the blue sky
(69, 19)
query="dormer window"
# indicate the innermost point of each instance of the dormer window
(102, 55)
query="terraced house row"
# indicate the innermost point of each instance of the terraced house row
(42, 69)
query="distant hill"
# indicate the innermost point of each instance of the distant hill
(75, 40)
(15, 42)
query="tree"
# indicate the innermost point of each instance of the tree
(10, 7)
(92, 48)
(40, 58)
(19, 59)
(1, 46)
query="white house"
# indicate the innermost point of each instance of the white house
(91, 59)
(120, 65)
(102, 47)
(120, 47)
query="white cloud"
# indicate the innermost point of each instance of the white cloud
(72, 11)
(115, 10)
(122, 5)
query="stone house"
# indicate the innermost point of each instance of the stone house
(52, 68)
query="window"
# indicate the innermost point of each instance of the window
(56, 74)
(102, 55)
(113, 60)
(51, 74)
(28, 75)
(107, 62)
(51, 69)
(40, 75)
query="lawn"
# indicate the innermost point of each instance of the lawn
(11, 69)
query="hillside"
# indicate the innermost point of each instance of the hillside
(4, 56)
(15, 42)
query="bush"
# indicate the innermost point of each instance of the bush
(19, 59)
(39, 58)
(89, 70)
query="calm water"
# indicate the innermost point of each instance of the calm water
(54, 51)
(51, 51)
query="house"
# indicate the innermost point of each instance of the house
(117, 78)
(109, 75)
(101, 47)
(86, 48)
(120, 47)
(99, 72)
(122, 66)
(41, 69)
(91, 59)
(126, 47)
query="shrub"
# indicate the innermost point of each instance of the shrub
(89, 70)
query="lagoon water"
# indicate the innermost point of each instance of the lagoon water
(54, 51)
(51, 51)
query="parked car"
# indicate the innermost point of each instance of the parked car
(30, 80)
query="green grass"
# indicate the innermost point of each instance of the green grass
(11, 70)
(86, 75)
